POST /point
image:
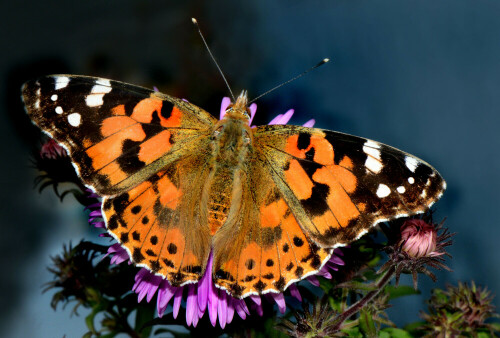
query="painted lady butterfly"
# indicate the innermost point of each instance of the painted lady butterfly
(270, 202)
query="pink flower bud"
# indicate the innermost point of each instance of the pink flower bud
(418, 238)
(52, 150)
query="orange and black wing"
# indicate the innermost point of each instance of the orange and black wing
(339, 186)
(307, 191)
(117, 134)
(145, 152)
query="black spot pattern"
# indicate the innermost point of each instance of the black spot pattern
(172, 249)
(259, 286)
(285, 247)
(150, 252)
(280, 284)
(299, 272)
(316, 205)
(154, 265)
(113, 222)
(249, 278)
(297, 241)
(124, 237)
(129, 161)
(224, 275)
(166, 110)
(269, 262)
(250, 264)
(136, 236)
(153, 240)
(137, 256)
(135, 210)
(168, 263)
(120, 203)
(303, 141)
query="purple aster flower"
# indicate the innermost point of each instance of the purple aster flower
(204, 296)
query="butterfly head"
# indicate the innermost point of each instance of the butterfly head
(239, 109)
(232, 136)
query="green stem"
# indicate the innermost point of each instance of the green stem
(356, 307)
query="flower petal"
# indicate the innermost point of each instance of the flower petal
(177, 301)
(222, 308)
(165, 293)
(226, 101)
(191, 305)
(253, 110)
(279, 298)
(294, 291)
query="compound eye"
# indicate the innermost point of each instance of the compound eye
(247, 113)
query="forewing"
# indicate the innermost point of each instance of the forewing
(117, 134)
(338, 185)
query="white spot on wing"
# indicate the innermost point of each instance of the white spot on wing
(102, 87)
(37, 104)
(94, 100)
(411, 163)
(61, 82)
(370, 150)
(54, 97)
(383, 191)
(59, 110)
(411, 180)
(373, 165)
(74, 119)
(104, 82)
(401, 189)
(373, 144)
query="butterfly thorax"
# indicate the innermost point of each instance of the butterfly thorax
(231, 147)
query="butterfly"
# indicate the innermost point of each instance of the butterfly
(269, 202)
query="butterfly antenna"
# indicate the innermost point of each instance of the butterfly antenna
(213, 58)
(292, 79)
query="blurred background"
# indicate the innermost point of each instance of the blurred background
(423, 76)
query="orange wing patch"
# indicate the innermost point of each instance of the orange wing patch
(147, 222)
(266, 249)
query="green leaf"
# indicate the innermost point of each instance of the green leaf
(143, 315)
(366, 324)
(353, 332)
(393, 332)
(496, 326)
(483, 335)
(414, 326)
(400, 291)
(89, 320)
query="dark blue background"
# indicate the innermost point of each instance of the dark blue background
(423, 76)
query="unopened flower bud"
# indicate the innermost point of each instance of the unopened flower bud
(418, 239)
(52, 150)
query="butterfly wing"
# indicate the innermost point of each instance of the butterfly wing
(306, 192)
(262, 248)
(340, 185)
(141, 150)
(117, 134)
